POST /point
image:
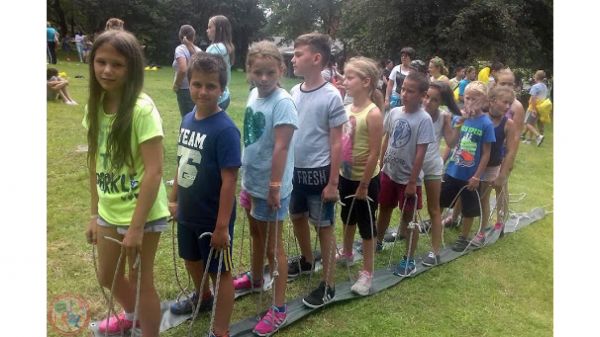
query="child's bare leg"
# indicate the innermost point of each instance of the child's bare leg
(485, 190)
(327, 242)
(149, 308)
(467, 223)
(302, 232)
(433, 190)
(258, 233)
(196, 270)
(224, 306)
(281, 280)
(383, 221)
(349, 232)
(108, 255)
(368, 246)
(411, 245)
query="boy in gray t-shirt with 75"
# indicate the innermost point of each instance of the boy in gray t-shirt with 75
(408, 131)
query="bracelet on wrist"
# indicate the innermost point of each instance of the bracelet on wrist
(275, 184)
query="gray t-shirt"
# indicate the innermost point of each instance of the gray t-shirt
(405, 131)
(182, 51)
(318, 111)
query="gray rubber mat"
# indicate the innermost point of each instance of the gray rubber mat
(382, 279)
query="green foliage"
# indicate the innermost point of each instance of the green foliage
(292, 18)
(516, 32)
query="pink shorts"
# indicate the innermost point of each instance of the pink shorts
(391, 194)
(245, 200)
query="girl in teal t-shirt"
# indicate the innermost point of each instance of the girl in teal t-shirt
(219, 34)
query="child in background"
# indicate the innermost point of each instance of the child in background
(209, 156)
(409, 130)
(57, 87)
(359, 172)
(181, 62)
(128, 198)
(318, 154)
(538, 92)
(219, 34)
(268, 162)
(438, 70)
(469, 160)
(470, 76)
(439, 93)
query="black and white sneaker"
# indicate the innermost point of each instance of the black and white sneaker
(298, 267)
(318, 298)
(431, 259)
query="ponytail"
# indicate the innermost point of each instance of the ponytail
(447, 96)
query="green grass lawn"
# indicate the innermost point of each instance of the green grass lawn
(502, 290)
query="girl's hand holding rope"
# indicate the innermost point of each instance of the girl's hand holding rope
(273, 198)
(132, 242)
(500, 181)
(361, 192)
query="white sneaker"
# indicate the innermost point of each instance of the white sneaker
(363, 284)
(539, 139)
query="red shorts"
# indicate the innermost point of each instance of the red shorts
(391, 194)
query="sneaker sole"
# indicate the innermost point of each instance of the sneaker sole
(272, 332)
(427, 264)
(397, 273)
(361, 293)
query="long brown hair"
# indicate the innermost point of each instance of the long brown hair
(118, 147)
(223, 35)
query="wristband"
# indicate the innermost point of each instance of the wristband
(275, 184)
(94, 216)
(474, 177)
(174, 203)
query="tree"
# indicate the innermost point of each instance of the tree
(516, 32)
(156, 22)
(291, 18)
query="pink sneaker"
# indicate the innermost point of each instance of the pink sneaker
(244, 282)
(498, 226)
(344, 259)
(113, 325)
(270, 323)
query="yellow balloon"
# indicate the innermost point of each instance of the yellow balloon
(484, 75)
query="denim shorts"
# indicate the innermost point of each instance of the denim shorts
(319, 213)
(154, 226)
(261, 211)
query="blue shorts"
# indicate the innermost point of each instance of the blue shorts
(260, 211)
(319, 213)
(191, 248)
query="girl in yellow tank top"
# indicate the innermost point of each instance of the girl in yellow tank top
(359, 172)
